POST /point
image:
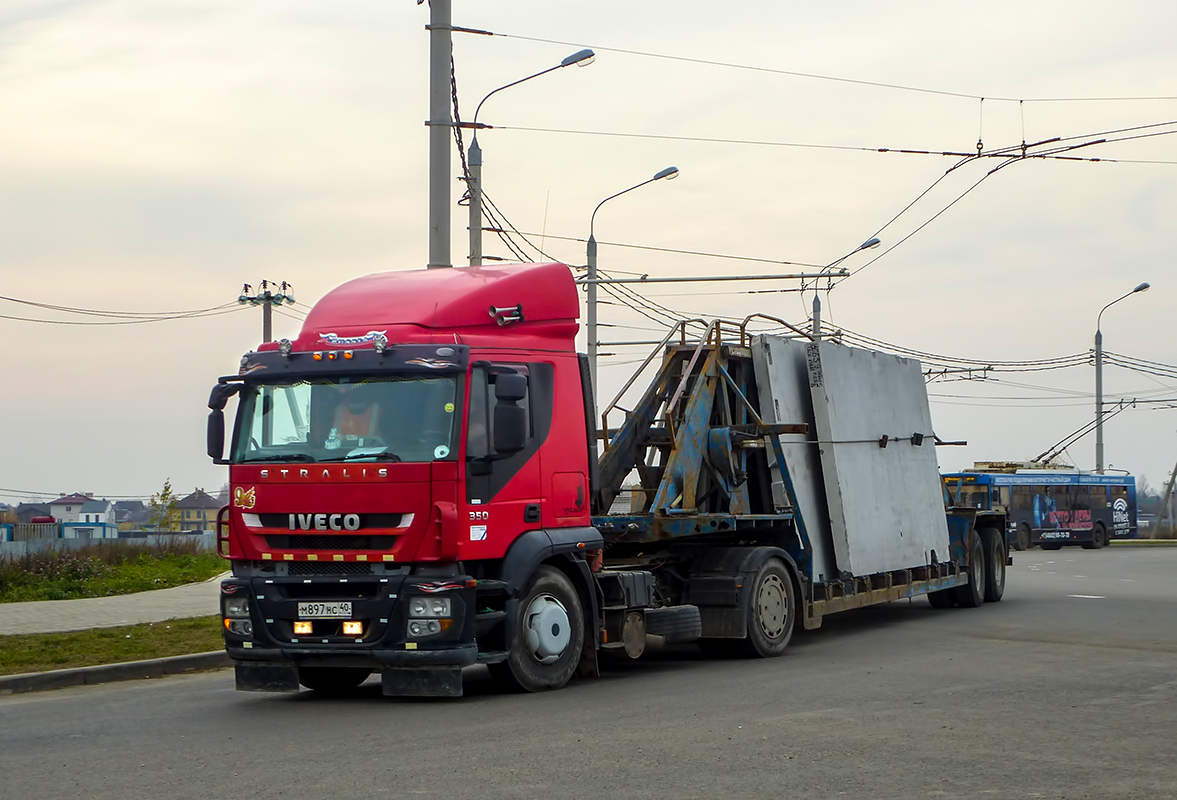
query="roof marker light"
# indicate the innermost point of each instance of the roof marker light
(317, 356)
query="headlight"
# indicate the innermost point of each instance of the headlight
(429, 607)
(236, 606)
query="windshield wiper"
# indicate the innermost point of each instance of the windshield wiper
(358, 456)
(284, 457)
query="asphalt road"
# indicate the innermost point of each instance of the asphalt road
(1067, 688)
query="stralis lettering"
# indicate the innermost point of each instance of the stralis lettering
(341, 472)
(324, 522)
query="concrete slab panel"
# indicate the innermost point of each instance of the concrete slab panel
(782, 382)
(886, 506)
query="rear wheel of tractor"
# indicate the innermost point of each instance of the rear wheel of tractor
(972, 594)
(991, 540)
(945, 598)
(771, 607)
(549, 635)
(332, 680)
(1022, 539)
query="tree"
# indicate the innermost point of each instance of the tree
(164, 514)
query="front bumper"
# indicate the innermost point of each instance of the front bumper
(268, 658)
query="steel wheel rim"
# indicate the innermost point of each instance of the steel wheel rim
(772, 606)
(547, 629)
(979, 569)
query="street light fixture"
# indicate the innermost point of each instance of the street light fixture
(1099, 377)
(669, 174)
(869, 244)
(581, 58)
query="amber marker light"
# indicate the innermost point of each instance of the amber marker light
(353, 628)
(317, 356)
(226, 624)
(302, 627)
(347, 354)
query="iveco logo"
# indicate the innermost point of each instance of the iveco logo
(324, 522)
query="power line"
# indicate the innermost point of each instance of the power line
(817, 76)
(145, 320)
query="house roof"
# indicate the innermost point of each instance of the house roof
(198, 500)
(95, 507)
(71, 500)
(41, 507)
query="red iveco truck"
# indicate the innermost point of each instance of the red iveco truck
(416, 489)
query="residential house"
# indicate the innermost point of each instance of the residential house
(198, 512)
(131, 515)
(26, 511)
(96, 521)
(69, 508)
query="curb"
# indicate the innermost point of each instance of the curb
(110, 673)
(1143, 543)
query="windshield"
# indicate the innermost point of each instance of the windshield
(346, 419)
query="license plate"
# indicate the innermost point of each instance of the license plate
(323, 610)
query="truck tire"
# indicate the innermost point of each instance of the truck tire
(945, 598)
(972, 594)
(675, 624)
(332, 680)
(1022, 537)
(1099, 537)
(549, 635)
(771, 603)
(991, 540)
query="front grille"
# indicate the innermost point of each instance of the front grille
(284, 541)
(329, 568)
(366, 520)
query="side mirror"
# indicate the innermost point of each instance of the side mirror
(216, 435)
(510, 428)
(510, 387)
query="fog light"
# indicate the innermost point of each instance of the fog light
(241, 627)
(352, 628)
(302, 627)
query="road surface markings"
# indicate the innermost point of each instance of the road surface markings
(1089, 596)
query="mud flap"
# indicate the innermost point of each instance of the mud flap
(421, 681)
(266, 677)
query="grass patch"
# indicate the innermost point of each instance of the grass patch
(105, 569)
(39, 652)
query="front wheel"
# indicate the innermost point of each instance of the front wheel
(549, 635)
(1022, 538)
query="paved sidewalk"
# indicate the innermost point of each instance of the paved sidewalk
(53, 616)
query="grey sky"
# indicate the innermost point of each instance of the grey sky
(157, 156)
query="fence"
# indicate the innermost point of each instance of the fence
(204, 541)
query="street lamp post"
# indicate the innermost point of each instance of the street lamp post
(670, 173)
(1099, 377)
(869, 244)
(582, 58)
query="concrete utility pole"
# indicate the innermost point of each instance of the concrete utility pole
(267, 299)
(581, 58)
(1164, 502)
(869, 244)
(1099, 377)
(670, 173)
(440, 131)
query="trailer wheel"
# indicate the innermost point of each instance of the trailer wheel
(945, 598)
(1099, 536)
(772, 612)
(994, 564)
(1022, 538)
(972, 594)
(332, 680)
(549, 635)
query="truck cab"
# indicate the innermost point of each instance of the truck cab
(419, 446)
